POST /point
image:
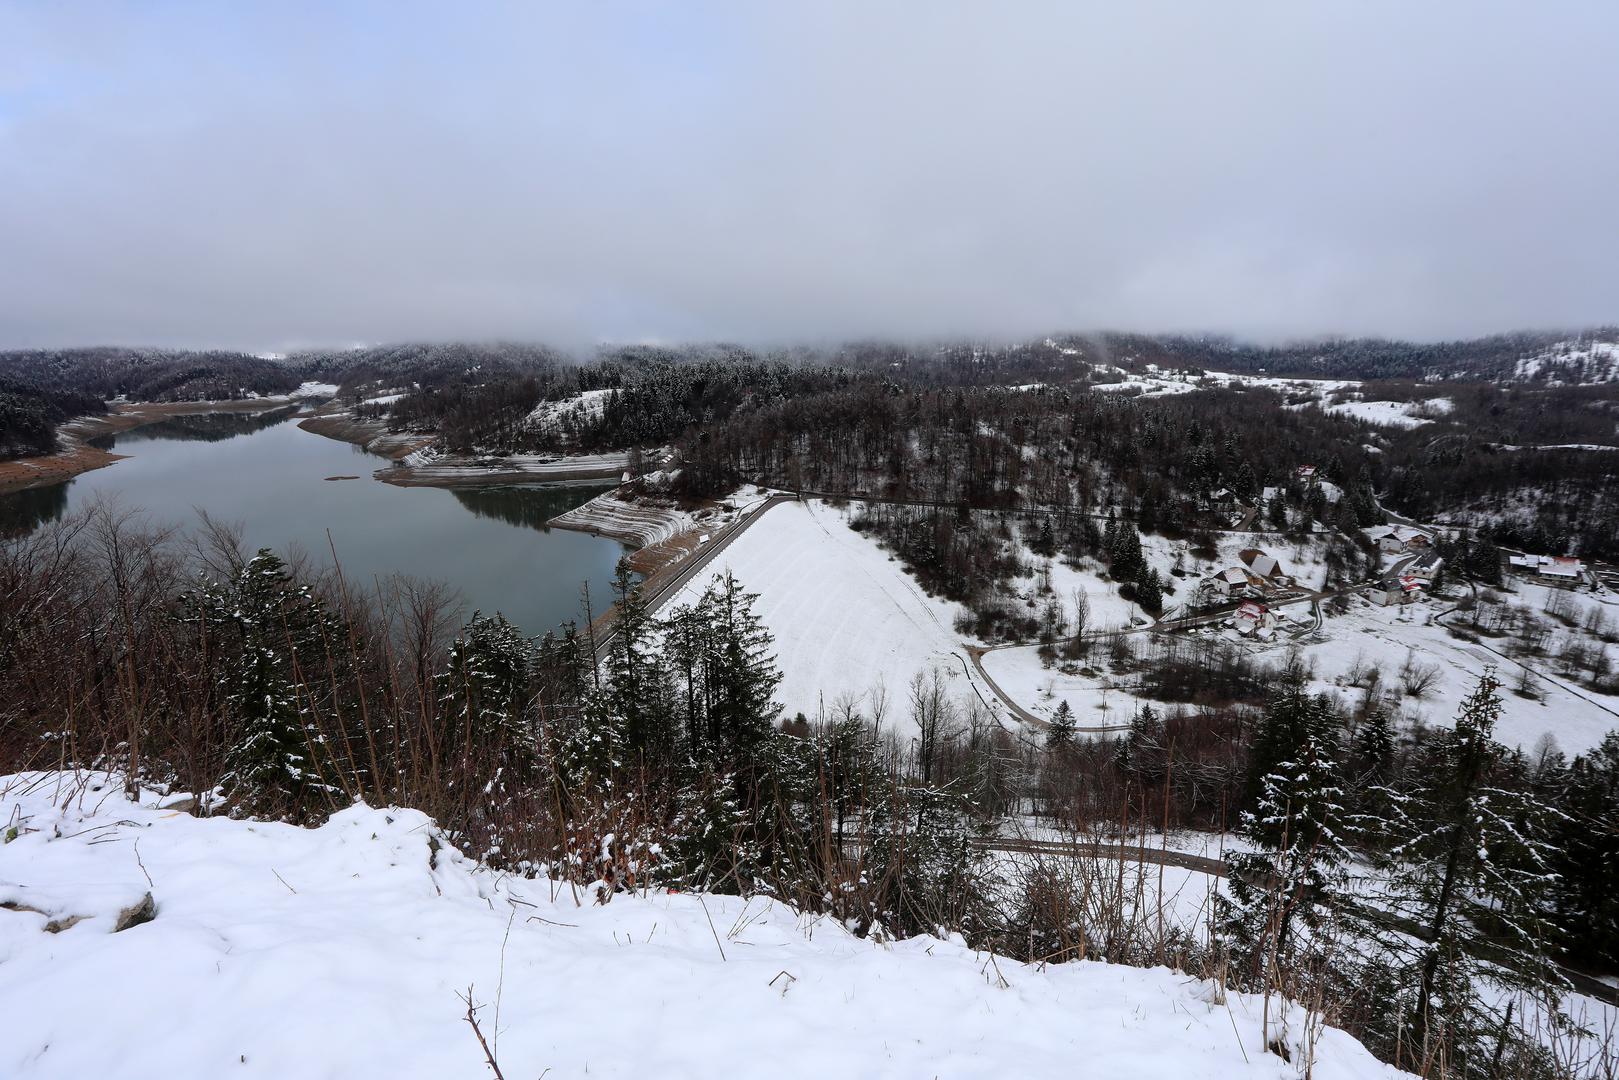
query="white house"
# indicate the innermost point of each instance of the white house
(1550, 569)
(1399, 539)
(1254, 619)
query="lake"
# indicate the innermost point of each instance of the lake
(265, 473)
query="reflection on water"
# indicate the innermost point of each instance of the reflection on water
(530, 507)
(25, 511)
(270, 477)
(209, 426)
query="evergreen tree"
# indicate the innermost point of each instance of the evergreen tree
(278, 639)
(1140, 752)
(927, 864)
(740, 673)
(1150, 591)
(1587, 856)
(1246, 485)
(1467, 862)
(1372, 753)
(1124, 554)
(269, 767)
(483, 694)
(1061, 732)
(636, 690)
(1292, 717)
(1295, 870)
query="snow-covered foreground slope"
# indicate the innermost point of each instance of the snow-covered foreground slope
(340, 951)
(845, 615)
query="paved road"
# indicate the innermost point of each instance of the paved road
(1201, 864)
(1581, 981)
(668, 583)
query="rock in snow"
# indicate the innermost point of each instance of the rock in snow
(340, 951)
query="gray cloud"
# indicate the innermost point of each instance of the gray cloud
(276, 176)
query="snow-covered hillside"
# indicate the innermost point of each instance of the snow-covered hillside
(341, 951)
(1572, 362)
(846, 617)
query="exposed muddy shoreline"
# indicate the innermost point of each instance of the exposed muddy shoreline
(372, 436)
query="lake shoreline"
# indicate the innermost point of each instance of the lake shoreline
(372, 436)
(77, 456)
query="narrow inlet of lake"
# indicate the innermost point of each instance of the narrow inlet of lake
(264, 473)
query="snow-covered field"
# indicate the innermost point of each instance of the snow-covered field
(341, 951)
(1300, 393)
(1097, 700)
(1385, 638)
(846, 617)
(1403, 414)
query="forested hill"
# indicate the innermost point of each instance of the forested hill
(148, 374)
(424, 364)
(40, 388)
(29, 416)
(1567, 356)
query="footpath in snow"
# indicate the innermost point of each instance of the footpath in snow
(275, 951)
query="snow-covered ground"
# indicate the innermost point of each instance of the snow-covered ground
(582, 407)
(643, 522)
(341, 951)
(1342, 397)
(1387, 638)
(1097, 697)
(1509, 447)
(1400, 414)
(847, 619)
(431, 466)
(1589, 361)
(1301, 557)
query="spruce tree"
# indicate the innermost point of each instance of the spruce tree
(1291, 716)
(1587, 856)
(269, 767)
(1468, 867)
(483, 695)
(1246, 485)
(637, 683)
(1150, 592)
(1294, 871)
(1061, 732)
(741, 674)
(278, 638)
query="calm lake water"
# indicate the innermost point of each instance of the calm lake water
(267, 474)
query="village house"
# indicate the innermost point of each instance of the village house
(1254, 619)
(1424, 568)
(1400, 539)
(1397, 590)
(1558, 570)
(1227, 585)
(1264, 566)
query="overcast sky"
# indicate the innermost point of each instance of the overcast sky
(270, 175)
